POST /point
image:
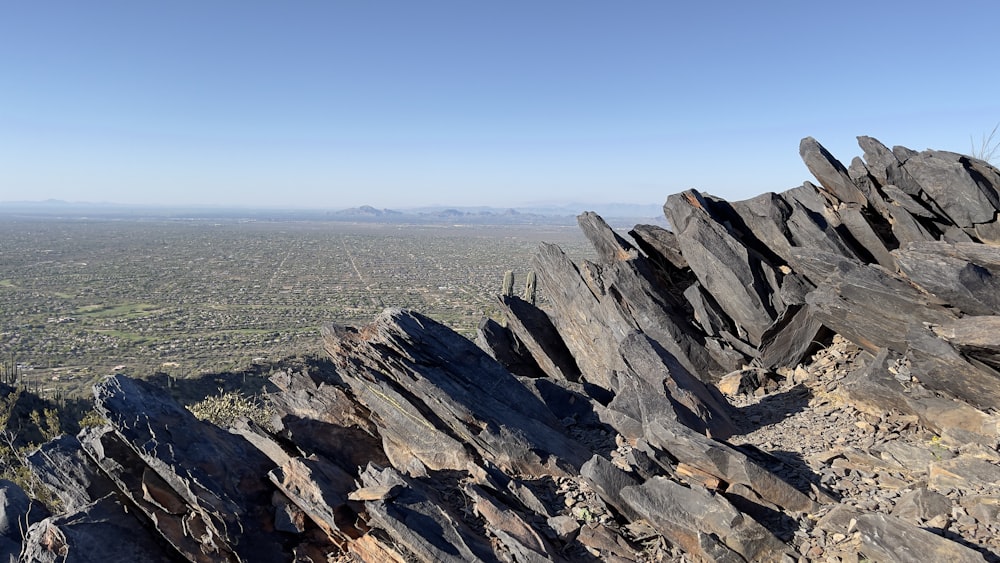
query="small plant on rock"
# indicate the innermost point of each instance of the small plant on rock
(228, 406)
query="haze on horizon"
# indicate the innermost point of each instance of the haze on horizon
(402, 104)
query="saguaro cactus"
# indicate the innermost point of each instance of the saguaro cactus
(529, 288)
(9, 371)
(508, 284)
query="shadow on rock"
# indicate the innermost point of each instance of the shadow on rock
(772, 409)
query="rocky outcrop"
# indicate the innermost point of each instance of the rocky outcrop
(856, 319)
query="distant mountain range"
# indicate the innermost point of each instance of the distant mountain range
(617, 214)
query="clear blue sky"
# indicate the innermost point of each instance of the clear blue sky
(466, 102)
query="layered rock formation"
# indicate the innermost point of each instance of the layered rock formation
(594, 428)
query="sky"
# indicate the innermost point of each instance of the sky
(334, 104)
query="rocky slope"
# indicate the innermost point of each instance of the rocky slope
(804, 376)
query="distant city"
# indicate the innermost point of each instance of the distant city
(617, 214)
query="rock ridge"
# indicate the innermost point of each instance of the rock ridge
(811, 375)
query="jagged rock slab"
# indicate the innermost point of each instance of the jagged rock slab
(963, 473)
(727, 464)
(941, 368)
(885, 167)
(217, 475)
(743, 284)
(889, 539)
(609, 481)
(101, 532)
(866, 242)
(963, 284)
(579, 315)
(661, 246)
(950, 179)
(865, 304)
(982, 255)
(830, 172)
(791, 338)
(187, 528)
(532, 327)
(660, 388)
(320, 417)
(420, 524)
(691, 516)
(706, 312)
(434, 394)
(518, 537)
(17, 513)
(976, 338)
(320, 489)
(920, 505)
(633, 297)
(610, 246)
(64, 469)
(631, 289)
(874, 388)
(500, 343)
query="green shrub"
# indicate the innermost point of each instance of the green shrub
(224, 408)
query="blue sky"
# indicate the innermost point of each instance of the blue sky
(395, 104)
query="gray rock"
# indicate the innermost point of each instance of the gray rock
(970, 287)
(203, 474)
(864, 238)
(609, 481)
(316, 413)
(686, 516)
(661, 247)
(532, 327)
(976, 338)
(876, 388)
(791, 338)
(17, 511)
(939, 367)
(889, 539)
(654, 386)
(743, 284)
(885, 167)
(964, 472)
(906, 202)
(580, 315)
(952, 182)
(706, 312)
(500, 343)
(610, 246)
(319, 488)
(64, 469)
(865, 304)
(440, 401)
(594, 307)
(421, 525)
(907, 456)
(102, 532)
(921, 504)
(830, 172)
